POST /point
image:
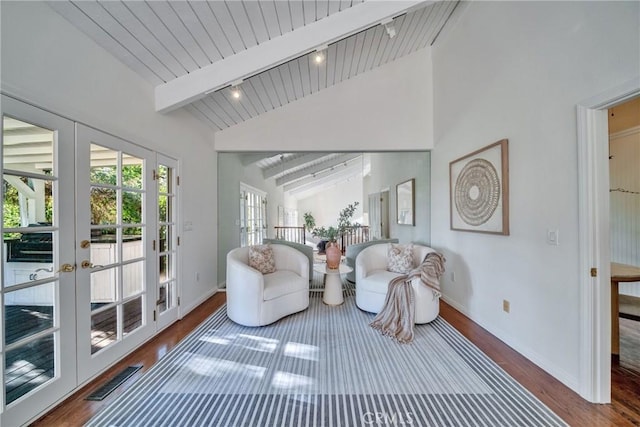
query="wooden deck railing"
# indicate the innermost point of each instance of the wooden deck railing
(291, 234)
(354, 235)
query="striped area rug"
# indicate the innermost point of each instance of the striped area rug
(324, 367)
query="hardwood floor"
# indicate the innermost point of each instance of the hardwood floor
(623, 411)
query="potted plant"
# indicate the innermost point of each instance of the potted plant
(330, 235)
(309, 221)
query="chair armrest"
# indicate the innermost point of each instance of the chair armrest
(372, 258)
(248, 277)
(288, 258)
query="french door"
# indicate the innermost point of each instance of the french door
(167, 241)
(37, 279)
(116, 224)
(89, 254)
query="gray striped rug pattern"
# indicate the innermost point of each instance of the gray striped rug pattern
(324, 367)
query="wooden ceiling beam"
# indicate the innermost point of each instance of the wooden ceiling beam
(189, 88)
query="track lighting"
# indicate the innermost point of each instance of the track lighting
(320, 55)
(389, 27)
(236, 93)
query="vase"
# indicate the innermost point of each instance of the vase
(333, 254)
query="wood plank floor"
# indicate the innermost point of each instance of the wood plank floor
(623, 411)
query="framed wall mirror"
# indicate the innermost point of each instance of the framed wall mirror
(405, 202)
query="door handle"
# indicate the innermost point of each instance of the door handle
(87, 264)
(66, 268)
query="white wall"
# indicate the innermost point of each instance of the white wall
(230, 174)
(517, 70)
(325, 206)
(388, 108)
(389, 170)
(51, 64)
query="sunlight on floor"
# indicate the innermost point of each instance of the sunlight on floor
(301, 351)
(286, 380)
(212, 367)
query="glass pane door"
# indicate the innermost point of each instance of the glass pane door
(114, 301)
(37, 277)
(167, 241)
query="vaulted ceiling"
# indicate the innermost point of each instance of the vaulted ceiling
(197, 54)
(195, 51)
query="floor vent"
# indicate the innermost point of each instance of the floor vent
(113, 383)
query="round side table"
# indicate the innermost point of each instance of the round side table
(332, 294)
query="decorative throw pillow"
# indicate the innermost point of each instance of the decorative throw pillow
(261, 258)
(400, 258)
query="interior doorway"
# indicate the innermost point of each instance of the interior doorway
(594, 234)
(624, 173)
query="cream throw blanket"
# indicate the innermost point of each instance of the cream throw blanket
(396, 319)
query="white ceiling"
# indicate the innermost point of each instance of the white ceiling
(193, 51)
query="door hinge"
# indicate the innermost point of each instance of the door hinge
(178, 240)
(177, 180)
(594, 272)
(178, 300)
(153, 244)
(154, 315)
(155, 175)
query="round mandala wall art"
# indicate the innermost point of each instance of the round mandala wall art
(479, 190)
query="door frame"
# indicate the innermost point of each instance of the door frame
(594, 248)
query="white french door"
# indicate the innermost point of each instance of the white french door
(116, 224)
(37, 279)
(167, 241)
(89, 255)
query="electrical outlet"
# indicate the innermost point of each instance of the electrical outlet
(197, 276)
(453, 276)
(506, 306)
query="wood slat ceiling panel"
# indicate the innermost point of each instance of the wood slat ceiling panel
(161, 33)
(197, 30)
(145, 37)
(163, 40)
(258, 26)
(179, 31)
(84, 23)
(210, 22)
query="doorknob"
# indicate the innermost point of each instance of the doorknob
(87, 264)
(66, 268)
(85, 244)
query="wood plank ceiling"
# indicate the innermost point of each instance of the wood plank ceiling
(173, 41)
(194, 51)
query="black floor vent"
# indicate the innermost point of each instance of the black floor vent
(113, 383)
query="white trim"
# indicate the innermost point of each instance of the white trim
(624, 133)
(593, 217)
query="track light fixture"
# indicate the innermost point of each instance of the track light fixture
(320, 55)
(389, 27)
(236, 93)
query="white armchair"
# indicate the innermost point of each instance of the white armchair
(372, 282)
(256, 299)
